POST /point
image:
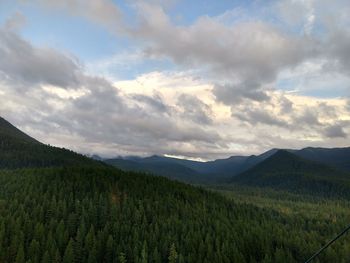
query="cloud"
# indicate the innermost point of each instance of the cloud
(243, 58)
(254, 116)
(335, 131)
(233, 94)
(27, 65)
(103, 12)
(251, 49)
(224, 82)
(155, 102)
(194, 109)
(99, 114)
(309, 117)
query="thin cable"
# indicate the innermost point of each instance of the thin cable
(327, 245)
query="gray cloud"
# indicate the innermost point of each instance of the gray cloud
(308, 117)
(253, 116)
(246, 56)
(155, 102)
(23, 63)
(195, 109)
(335, 131)
(286, 105)
(233, 94)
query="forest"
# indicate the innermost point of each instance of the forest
(58, 206)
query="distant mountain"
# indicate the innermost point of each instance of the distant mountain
(222, 170)
(217, 171)
(158, 166)
(287, 171)
(336, 157)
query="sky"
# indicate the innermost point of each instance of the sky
(192, 79)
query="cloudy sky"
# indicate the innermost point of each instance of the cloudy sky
(196, 79)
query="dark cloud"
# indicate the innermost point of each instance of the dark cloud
(155, 102)
(254, 116)
(335, 131)
(194, 109)
(308, 117)
(234, 94)
(286, 105)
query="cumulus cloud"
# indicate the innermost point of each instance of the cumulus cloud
(248, 54)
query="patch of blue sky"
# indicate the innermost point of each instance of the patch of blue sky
(127, 67)
(75, 35)
(7, 9)
(316, 88)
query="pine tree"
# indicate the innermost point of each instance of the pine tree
(122, 258)
(69, 253)
(172, 254)
(109, 249)
(20, 255)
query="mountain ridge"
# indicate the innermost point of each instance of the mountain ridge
(221, 170)
(287, 171)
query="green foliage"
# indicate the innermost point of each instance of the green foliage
(173, 254)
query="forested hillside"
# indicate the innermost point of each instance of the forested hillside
(285, 170)
(82, 211)
(18, 150)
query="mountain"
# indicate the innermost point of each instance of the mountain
(336, 157)
(18, 150)
(157, 166)
(222, 170)
(9, 132)
(285, 170)
(217, 171)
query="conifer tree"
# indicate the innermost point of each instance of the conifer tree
(69, 253)
(172, 254)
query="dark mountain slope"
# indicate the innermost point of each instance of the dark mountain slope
(165, 168)
(285, 170)
(217, 171)
(336, 157)
(18, 150)
(10, 132)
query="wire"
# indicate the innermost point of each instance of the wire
(327, 245)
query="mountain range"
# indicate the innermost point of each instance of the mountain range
(223, 170)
